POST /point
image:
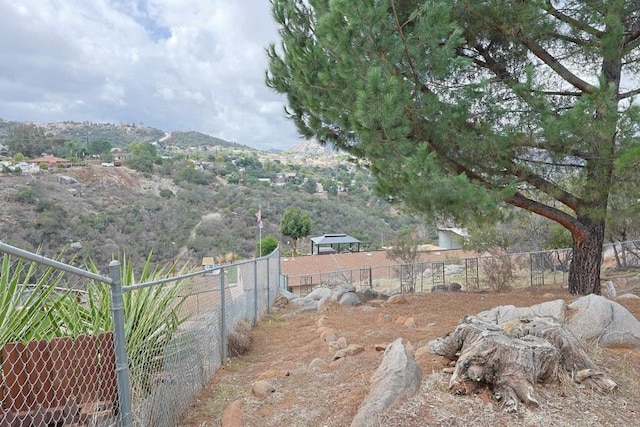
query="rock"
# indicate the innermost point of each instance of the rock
(333, 345)
(368, 309)
(312, 306)
(66, 180)
(452, 269)
(380, 347)
(351, 350)
(455, 287)
(76, 245)
(318, 293)
(288, 295)
(302, 301)
(384, 318)
(261, 389)
(342, 343)
(281, 301)
(610, 290)
(397, 299)
(318, 363)
(400, 320)
(628, 296)
(397, 378)
(599, 319)
(232, 415)
(327, 304)
(327, 334)
(371, 294)
(505, 313)
(410, 322)
(273, 373)
(349, 298)
(376, 302)
(341, 290)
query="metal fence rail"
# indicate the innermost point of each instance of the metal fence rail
(100, 350)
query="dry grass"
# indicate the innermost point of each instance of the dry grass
(239, 339)
(331, 397)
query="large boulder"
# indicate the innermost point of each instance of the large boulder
(397, 378)
(596, 318)
(349, 298)
(318, 293)
(371, 294)
(504, 313)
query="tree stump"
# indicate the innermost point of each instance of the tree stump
(511, 359)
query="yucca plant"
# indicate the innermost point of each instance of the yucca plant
(24, 306)
(151, 316)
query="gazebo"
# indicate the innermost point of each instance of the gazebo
(334, 243)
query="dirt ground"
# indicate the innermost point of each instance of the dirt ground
(330, 396)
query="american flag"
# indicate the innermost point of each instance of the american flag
(259, 218)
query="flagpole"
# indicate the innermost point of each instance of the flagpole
(260, 231)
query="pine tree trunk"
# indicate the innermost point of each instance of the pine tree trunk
(584, 271)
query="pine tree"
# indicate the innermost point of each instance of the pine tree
(460, 106)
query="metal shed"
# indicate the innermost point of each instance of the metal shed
(334, 243)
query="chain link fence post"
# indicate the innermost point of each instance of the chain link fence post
(223, 319)
(122, 367)
(268, 288)
(255, 293)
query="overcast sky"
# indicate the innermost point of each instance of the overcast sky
(171, 64)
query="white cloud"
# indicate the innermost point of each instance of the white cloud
(172, 64)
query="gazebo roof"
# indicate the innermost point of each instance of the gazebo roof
(330, 239)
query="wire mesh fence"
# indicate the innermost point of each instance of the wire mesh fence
(496, 272)
(80, 348)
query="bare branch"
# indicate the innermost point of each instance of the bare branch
(555, 65)
(629, 94)
(571, 21)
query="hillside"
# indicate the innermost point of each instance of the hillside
(119, 135)
(94, 212)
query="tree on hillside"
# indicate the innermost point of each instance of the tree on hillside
(28, 139)
(143, 156)
(266, 245)
(460, 106)
(295, 224)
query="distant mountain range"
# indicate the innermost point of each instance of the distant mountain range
(123, 134)
(120, 135)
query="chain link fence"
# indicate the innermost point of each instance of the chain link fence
(495, 272)
(82, 348)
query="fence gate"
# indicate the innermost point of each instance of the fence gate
(471, 273)
(537, 262)
(437, 275)
(365, 277)
(407, 278)
(306, 285)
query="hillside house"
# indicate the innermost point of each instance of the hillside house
(283, 178)
(51, 161)
(451, 237)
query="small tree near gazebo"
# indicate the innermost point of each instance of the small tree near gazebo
(295, 224)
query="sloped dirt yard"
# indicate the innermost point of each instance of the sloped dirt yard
(329, 394)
